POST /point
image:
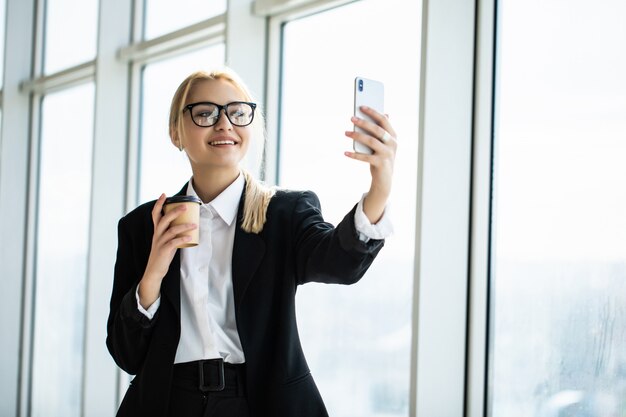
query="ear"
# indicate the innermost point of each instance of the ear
(175, 138)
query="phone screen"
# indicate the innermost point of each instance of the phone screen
(369, 93)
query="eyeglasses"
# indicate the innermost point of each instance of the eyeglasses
(206, 114)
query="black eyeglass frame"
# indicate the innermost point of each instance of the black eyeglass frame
(219, 113)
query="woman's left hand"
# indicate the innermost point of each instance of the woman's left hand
(381, 138)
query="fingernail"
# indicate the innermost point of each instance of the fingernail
(354, 119)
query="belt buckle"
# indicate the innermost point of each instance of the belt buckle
(220, 372)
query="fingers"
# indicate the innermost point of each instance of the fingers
(377, 144)
(164, 244)
(173, 243)
(174, 231)
(166, 219)
(385, 138)
(156, 210)
(179, 241)
(367, 140)
(166, 238)
(375, 160)
(161, 221)
(381, 120)
(163, 238)
(361, 157)
(164, 232)
(379, 136)
(379, 133)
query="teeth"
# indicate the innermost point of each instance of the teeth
(222, 142)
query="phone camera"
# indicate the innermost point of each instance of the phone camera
(360, 85)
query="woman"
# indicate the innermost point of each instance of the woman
(211, 330)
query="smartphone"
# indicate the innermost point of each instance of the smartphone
(369, 93)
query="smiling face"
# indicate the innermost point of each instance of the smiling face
(221, 146)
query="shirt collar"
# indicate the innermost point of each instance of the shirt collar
(226, 204)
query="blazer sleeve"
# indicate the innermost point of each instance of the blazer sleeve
(128, 330)
(325, 253)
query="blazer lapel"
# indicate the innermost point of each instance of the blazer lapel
(248, 251)
(170, 287)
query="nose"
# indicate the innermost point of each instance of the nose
(223, 123)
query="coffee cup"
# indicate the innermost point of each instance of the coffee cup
(191, 215)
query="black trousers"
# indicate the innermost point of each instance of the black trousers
(208, 389)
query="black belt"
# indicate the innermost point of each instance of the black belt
(212, 375)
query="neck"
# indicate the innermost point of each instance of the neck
(210, 182)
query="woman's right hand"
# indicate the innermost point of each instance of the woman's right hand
(164, 245)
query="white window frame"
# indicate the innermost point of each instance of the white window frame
(443, 211)
(479, 297)
(14, 199)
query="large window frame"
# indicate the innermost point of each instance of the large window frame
(450, 302)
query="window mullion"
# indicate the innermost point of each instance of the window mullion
(443, 213)
(14, 203)
(107, 201)
(478, 330)
(246, 50)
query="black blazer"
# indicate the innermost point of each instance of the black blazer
(296, 246)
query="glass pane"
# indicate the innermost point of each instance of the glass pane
(2, 31)
(164, 16)
(160, 81)
(356, 338)
(71, 33)
(61, 248)
(559, 282)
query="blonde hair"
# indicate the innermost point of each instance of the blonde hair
(257, 195)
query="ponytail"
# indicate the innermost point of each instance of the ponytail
(257, 199)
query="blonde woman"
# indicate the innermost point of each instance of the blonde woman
(211, 330)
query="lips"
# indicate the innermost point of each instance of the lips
(221, 141)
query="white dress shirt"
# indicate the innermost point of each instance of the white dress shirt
(208, 325)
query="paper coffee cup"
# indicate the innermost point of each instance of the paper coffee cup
(191, 215)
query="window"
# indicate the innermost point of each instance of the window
(163, 169)
(357, 338)
(61, 252)
(559, 254)
(164, 16)
(2, 30)
(69, 41)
